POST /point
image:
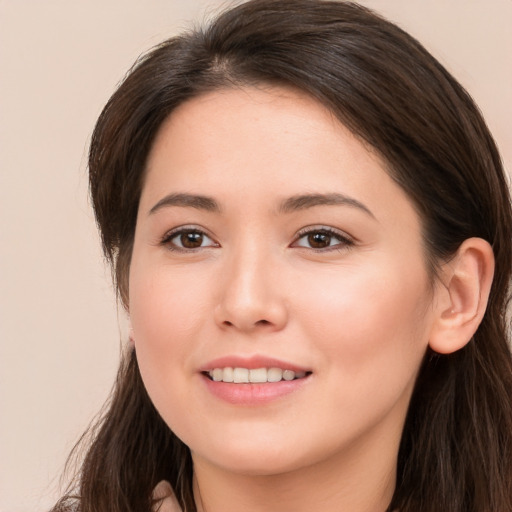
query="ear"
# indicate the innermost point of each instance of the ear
(131, 337)
(462, 296)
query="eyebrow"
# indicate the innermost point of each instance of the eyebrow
(303, 202)
(187, 200)
(289, 205)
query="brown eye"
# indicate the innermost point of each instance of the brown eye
(191, 240)
(323, 238)
(187, 240)
(319, 240)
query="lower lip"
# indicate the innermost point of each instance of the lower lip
(253, 394)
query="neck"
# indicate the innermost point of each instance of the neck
(353, 481)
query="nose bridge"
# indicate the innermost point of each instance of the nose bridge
(250, 297)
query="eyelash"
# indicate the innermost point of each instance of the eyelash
(344, 241)
(183, 230)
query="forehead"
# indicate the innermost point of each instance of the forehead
(263, 144)
(229, 122)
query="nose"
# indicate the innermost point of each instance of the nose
(252, 297)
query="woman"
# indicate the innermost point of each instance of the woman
(310, 229)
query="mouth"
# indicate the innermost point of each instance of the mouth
(262, 375)
(253, 381)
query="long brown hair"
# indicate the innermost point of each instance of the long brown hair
(456, 449)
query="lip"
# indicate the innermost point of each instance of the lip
(251, 363)
(252, 394)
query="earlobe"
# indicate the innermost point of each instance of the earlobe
(466, 284)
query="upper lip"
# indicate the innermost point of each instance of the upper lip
(251, 363)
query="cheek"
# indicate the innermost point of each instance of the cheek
(165, 306)
(374, 324)
(167, 310)
(371, 335)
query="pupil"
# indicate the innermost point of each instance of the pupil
(191, 240)
(319, 240)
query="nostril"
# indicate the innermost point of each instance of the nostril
(259, 322)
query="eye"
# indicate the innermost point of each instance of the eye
(322, 239)
(186, 239)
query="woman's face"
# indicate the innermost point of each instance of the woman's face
(268, 236)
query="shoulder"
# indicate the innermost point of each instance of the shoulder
(166, 501)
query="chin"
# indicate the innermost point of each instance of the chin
(256, 464)
(258, 456)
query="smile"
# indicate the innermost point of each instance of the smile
(253, 375)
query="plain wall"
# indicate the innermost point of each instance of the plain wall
(60, 328)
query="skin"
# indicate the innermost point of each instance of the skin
(358, 314)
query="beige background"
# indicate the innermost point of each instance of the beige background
(59, 327)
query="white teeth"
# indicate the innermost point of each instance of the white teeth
(217, 374)
(274, 374)
(258, 375)
(288, 375)
(255, 376)
(227, 374)
(241, 375)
